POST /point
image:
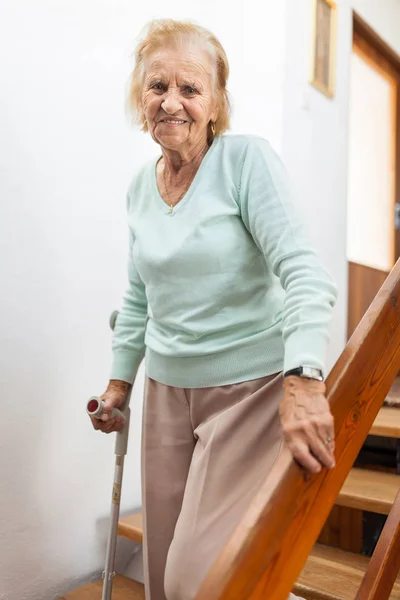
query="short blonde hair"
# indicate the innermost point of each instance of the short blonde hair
(165, 32)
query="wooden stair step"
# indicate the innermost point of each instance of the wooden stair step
(131, 527)
(387, 423)
(363, 489)
(373, 491)
(123, 589)
(334, 574)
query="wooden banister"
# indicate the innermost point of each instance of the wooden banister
(385, 562)
(268, 549)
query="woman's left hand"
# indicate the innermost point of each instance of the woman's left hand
(307, 423)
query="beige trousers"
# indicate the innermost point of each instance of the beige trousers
(205, 453)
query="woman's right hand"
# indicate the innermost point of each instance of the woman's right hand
(114, 397)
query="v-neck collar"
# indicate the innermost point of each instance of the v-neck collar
(163, 205)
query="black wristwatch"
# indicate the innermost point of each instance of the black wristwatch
(306, 372)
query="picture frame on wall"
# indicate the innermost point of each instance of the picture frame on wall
(324, 47)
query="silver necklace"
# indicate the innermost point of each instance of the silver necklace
(170, 204)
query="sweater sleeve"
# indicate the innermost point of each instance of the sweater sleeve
(310, 293)
(128, 340)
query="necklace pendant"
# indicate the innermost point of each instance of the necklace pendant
(171, 208)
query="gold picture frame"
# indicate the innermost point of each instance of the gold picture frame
(324, 47)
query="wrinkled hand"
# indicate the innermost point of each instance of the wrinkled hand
(114, 397)
(307, 423)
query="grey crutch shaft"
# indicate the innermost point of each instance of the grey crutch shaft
(94, 408)
(121, 445)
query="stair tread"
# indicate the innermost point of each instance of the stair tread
(373, 491)
(363, 489)
(123, 589)
(334, 574)
(131, 527)
(387, 423)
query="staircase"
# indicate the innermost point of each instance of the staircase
(330, 573)
(334, 574)
(265, 556)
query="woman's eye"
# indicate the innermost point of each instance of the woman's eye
(190, 90)
(159, 87)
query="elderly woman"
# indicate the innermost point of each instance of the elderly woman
(227, 302)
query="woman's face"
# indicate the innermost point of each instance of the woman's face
(177, 97)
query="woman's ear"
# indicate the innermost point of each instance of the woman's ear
(214, 115)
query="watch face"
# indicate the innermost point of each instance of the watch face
(312, 373)
(306, 372)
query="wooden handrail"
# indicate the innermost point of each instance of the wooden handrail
(385, 562)
(268, 549)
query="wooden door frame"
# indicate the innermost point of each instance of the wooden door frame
(365, 32)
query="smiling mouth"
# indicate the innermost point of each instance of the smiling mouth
(173, 121)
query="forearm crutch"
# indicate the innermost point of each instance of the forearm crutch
(94, 408)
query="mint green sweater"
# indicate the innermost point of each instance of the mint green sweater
(225, 288)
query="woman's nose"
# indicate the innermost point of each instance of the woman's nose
(172, 103)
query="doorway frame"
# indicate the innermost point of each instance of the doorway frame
(365, 31)
(374, 49)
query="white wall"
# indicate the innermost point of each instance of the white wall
(67, 156)
(315, 133)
